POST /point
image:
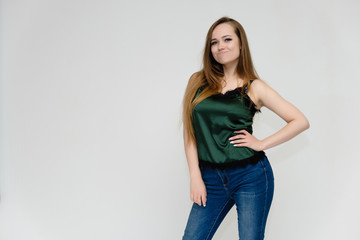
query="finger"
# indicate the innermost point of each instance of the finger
(194, 198)
(197, 200)
(241, 145)
(240, 136)
(240, 131)
(243, 131)
(203, 199)
(240, 140)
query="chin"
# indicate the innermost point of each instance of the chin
(221, 61)
(227, 62)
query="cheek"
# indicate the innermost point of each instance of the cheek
(233, 47)
(213, 54)
(235, 50)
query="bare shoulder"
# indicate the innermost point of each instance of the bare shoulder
(259, 85)
(257, 90)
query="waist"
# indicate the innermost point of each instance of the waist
(233, 164)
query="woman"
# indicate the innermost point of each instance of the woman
(227, 163)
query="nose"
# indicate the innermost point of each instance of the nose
(220, 46)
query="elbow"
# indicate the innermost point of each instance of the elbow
(301, 124)
(306, 124)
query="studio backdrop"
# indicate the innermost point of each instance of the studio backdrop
(91, 134)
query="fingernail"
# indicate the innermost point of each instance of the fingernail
(232, 142)
(204, 205)
(234, 145)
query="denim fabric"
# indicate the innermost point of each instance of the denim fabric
(250, 188)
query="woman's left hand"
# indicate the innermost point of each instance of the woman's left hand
(245, 139)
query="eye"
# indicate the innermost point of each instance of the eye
(226, 39)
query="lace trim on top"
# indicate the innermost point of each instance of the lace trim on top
(237, 92)
(235, 164)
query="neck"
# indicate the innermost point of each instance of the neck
(230, 72)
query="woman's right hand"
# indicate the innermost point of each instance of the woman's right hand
(198, 191)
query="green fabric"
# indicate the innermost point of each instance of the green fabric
(215, 119)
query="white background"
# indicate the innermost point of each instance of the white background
(91, 140)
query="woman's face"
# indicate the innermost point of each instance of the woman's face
(225, 44)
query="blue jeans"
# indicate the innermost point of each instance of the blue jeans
(250, 187)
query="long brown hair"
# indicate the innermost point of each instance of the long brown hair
(212, 73)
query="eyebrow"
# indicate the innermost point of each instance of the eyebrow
(222, 37)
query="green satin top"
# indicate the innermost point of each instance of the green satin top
(215, 119)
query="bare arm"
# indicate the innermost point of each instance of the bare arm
(197, 186)
(191, 156)
(263, 95)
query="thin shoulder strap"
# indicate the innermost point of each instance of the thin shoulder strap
(246, 88)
